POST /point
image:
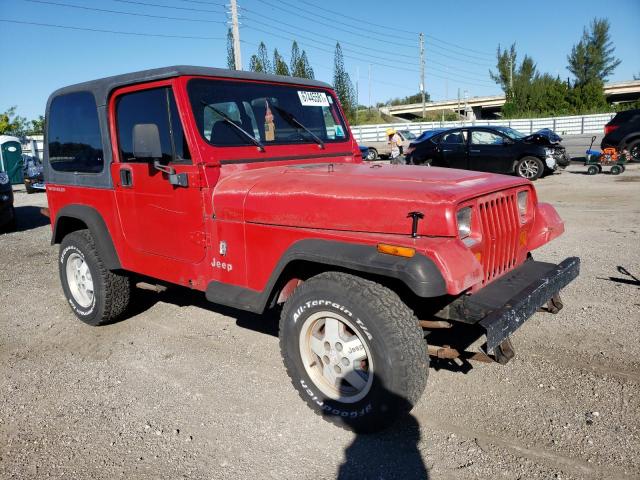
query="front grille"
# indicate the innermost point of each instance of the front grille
(500, 222)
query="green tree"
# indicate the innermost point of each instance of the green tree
(294, 60)
(592, 59)
(231, 57)
(304, 67)
(37, 126)
(259, 62)
(12, 124)
(279, 65)
(342, 84)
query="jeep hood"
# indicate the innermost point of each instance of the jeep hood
(353, 197)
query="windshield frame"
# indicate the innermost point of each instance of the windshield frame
(196, 108)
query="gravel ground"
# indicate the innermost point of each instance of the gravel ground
(186, 389)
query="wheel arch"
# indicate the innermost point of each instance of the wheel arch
(78, 217)
(418, 275)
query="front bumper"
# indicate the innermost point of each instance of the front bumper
(504, 305)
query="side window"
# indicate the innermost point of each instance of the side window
(75, 143)
(179, 140)
(453, 138)
(481, 137)
(156, 106)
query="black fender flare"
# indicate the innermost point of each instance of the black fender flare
(419, 273)
(95, 223)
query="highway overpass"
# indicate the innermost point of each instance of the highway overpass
(490, 107)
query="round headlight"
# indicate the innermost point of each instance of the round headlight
(4, 178)
(464, 222)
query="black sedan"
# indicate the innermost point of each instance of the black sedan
(490, 149)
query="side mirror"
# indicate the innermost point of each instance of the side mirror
(146, 141)
(508, 141)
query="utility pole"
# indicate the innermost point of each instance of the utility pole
(458, 109)
(235, 30)
(421, 39)
(357, 91)
(370, 87)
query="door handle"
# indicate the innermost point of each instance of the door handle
(474, 151)
(126, 177)
(447, 150)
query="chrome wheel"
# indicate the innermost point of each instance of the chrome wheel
(528, 169)
(335, 357)
(79, 280)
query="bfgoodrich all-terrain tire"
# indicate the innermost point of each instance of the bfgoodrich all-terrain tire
(96, 295)
(353, 350)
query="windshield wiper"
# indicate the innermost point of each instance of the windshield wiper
(224, 116)
(294, 121)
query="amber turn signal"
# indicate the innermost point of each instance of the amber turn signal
(396, 250)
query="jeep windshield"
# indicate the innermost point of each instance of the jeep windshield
(272, 114)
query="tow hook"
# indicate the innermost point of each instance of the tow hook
(504, 352)
(554, 305)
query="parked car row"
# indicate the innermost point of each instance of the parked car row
(490, 149)
(483, 148)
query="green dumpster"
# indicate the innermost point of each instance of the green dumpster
(11, 158)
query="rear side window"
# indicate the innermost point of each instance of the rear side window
(75, 143)
(156, 106)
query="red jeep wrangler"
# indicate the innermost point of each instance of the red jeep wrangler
(251, 188)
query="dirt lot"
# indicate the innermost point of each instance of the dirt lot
(185, 389)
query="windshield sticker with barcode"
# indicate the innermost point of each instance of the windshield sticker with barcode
(313, 99)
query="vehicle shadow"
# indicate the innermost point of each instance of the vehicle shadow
(143, 300)
(29, 217)
(391, 453)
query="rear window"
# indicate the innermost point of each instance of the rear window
(75, 143)
(270, 113)
(625, 116)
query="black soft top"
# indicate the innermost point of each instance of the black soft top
(102, 87)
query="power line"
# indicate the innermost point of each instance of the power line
(166, 6)
(298, 35)
(322, 35)
(385, 36)
(342, 14)
(99, 30)
(204, 3)
(331, 51)
(315, 20)
(120, 12)
(376, 55)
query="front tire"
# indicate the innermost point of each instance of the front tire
(530, 168)
(95, 294)
(353, 350)
(372, 154)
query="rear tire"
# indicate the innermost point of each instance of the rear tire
(95, 294)
(593, 169)
(616, 170)
(530, 168)
(353, 350)
(634, 150)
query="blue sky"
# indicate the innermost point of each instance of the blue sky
(461, 39)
